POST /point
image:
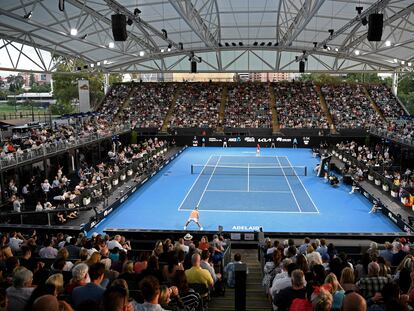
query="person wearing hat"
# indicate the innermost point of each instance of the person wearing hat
(195, 217)
(188, 239)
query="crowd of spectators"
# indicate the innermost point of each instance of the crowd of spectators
(114, 100)
(248, 106)
(315, 276)
(379, 159)
(298, 106)
(386, 101)
(402, 130)
(349, 106)
(149, 104)
(91, 181)
(197, 106)
(63, 272)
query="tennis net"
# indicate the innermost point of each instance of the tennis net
(249, 169)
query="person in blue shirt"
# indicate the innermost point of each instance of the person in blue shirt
(93, 290)
(230, 270)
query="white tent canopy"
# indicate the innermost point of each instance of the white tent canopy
(262, 35)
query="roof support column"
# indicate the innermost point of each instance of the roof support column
(106, 83)
(395, 82)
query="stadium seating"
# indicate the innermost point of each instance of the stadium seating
(298, 106)
(248, 106)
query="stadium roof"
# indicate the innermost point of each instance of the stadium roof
(283, 29)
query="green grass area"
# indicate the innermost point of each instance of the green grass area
(8, 109)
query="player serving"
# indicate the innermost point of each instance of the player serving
(195, 217)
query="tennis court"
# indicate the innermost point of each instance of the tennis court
(239, 191)
(248, 183)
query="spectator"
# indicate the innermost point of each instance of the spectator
(150, 288)
(285, 297)
(354, 302)
(48, 251)
(92, 290)
(19, 293)
(115, 298)
(197, 275)
(283, 279)
(373, 283)
(337, 291)
(347, 280)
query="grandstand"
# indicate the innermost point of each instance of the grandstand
(238, 155)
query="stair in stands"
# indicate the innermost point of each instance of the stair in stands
(325, 109)
(224, 95)
(164, 128)
(124, 104)
(275, 118)
(373, 103)
(255, 295)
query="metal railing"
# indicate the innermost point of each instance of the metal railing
(50, 149)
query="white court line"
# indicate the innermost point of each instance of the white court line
(208, 182)
(248, 177)
(237, 211)
(304, 187)
(192, 186)
(251, 191)
(297, 203)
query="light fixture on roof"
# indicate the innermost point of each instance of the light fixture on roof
(98, 63)
(269, 44)
(364, 21)
(240, 43)
(162, 50)
(233, 44)
(220, 44)
(315, 44)
(84, 36)
(227, 44)
(137, 12)
(395, 60)
(180, 44)
(409, 64)
(28, 15)
(328, 48)
(105, 62)
(331, 31)
(388, 43)
(111, 45)
(336, 50)
(325, 47)
(262, 44)
(255, 43)
(92, 65)
(402, 62)
(141, 53)
(130, 21)
(359, 9)
(277, 43)
(73, 31)
(357, 52)
(164, 32)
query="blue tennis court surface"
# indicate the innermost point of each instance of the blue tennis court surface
(238, 190)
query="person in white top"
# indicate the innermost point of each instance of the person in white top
(16, 240)
(115, 243)
(39, 207)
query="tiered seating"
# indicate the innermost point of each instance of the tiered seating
(298, 106)
(248, 106)
(349, 107)
(386, 101)
(197, 106)
(149, 104)
(114, 99)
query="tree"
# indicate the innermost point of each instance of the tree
(66, 83)
(31, 80)
(363, 78)
(322, 78)
(60, 108)
(115, 78)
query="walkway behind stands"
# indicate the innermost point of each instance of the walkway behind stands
(325, 109)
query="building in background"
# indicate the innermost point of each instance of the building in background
(263, 76)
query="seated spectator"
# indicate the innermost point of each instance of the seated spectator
(347, 280)
(48, 251)
(337, 291)
(188, 296)
(80, 277)
(150, 289)
(354, 302)
(197, 275)
(229, 270)
(92, 290)
(285, 297)
(115, 298)
(19, 293)
(373, 283)
(282, 279)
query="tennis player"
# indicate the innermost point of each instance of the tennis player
(258, 150)
(195, 217)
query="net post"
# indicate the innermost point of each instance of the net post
(306, 171)
(192, 169)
